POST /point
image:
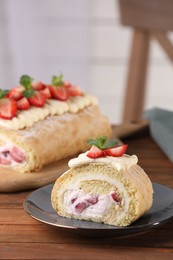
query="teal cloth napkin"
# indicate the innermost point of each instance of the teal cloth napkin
(161, 129)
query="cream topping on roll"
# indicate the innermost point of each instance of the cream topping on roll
(123, 162)
(27, 118)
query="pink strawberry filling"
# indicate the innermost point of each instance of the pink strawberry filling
(85, 204)
(11, 155)
(78, 202)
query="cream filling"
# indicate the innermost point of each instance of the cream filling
(11, 155)
(105, 200)
(78, 202)
(123, 162)
(27, 118)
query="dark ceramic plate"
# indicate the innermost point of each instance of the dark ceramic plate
(38, 206)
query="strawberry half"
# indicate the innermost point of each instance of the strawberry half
(115, 197)
(116, 151)
(23, 104)
(38, 85)
(59, 92)
(16, 93)
(74, 90)
(81, 206)
(8, 108)
(66, 84)
(46, 92)
(38, 99)
(95, 152)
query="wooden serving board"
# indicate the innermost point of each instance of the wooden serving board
(12, 181)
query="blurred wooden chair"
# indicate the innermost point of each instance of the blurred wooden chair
(149, 18)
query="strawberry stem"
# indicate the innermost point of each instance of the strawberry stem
(26, 81)
(57, 80)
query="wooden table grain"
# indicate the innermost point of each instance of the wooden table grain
(22, 237)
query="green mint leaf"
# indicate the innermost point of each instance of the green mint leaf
(99, 142)
(57, 81)
(109, 144)
(26, 81)
(3, 92)
(94, 142)
(102, 142)
(28, 93)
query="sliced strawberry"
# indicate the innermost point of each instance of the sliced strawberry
(81, 206)
(46, 92)
(23, 104)
(16, 93)
(73, 200)
(115, 197)
(59, 92)
(67, 84)
(17, 155)
(8, 108)
(95, 152)
(92, 200)
(38, 99)
(74, 90)
(116, 151)
(38, 85)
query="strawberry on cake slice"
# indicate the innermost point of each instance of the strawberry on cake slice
(103, 185)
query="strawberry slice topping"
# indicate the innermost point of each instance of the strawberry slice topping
(38, 85)
(95, 152)
(103, 147)
(74, 90)
(38, 99)
(116, 151)
(16, 93)
(34, 93)
(66, 84)
(59, 88)
(8, 108)
(59, 92)
(46, 92)
(23, 104)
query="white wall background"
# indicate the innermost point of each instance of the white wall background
(42, 38)
(84, 40)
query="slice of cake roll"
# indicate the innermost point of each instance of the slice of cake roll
(103, 185)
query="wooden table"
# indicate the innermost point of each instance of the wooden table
(22, 237)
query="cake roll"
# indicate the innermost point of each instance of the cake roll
(107, 189)
(35, 136)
